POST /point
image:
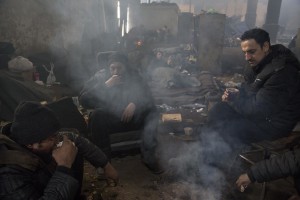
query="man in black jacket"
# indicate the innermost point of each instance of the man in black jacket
(277, 167)
(267, 106)
(122, 102)
(40, 162)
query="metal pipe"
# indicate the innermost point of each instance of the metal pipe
(104, 15)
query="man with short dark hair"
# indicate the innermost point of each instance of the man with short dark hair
(267, 106)
(122, 102)
(38, 161)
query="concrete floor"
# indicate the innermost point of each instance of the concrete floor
(138, 183)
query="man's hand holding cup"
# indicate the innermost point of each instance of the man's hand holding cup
(66, 153)
(230, 94)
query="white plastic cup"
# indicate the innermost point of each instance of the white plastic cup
(232, 93)
(188, 130)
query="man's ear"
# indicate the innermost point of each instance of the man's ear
(266, 47)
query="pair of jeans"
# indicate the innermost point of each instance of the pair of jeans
(103, 123)
(234, 127)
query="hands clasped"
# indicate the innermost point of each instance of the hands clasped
(66, 154)
(114, 80)
(230, 94)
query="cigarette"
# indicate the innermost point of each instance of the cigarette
(59, 144)
(243, 187)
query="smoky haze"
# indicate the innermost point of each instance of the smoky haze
(203, 164)
(289, 16)
(72, 31)
(288, 20)
(83, 28)
(78, 30)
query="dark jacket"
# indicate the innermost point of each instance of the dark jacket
(271, 94)
(88, 150)
(95, 94)
(15, 89)
(24, 175)
(277, 167)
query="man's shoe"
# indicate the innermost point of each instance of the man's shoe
(155, 168)
(100, 174)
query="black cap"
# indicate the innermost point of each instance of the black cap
(33, 123)
(118, 57)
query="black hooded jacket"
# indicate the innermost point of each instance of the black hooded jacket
(95, 94)
(287, 164)
(271, 94)
(24, 175)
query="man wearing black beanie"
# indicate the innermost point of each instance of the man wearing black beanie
(41, 161)
(122, 102)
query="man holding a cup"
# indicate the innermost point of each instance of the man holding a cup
(267, 105)
(40, 161)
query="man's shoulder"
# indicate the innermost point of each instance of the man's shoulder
(100, 74)
(12, 154)
(284, 57)
(12, 170)
(276, 65)
(13, 178)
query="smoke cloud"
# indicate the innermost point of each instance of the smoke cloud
(202, 164)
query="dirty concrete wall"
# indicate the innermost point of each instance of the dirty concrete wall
(27, 24)
(134, 13)
(210, 41)
(43, 25)
(155, 15)
(298, 39)
(66, 32)
(297, 49)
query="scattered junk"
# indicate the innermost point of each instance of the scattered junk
(234, 28)
(51, 79)
(165, 107)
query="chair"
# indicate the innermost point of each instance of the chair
(69, 115)
(125, 140)
(122, 141)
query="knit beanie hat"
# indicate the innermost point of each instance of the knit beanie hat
(33, 123)
(118, 57)
(20, 64)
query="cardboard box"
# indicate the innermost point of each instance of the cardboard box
(171, 117)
